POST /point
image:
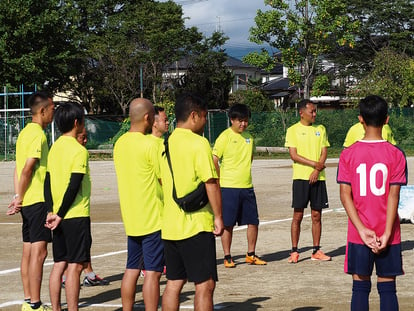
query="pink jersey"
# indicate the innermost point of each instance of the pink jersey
(370, 167)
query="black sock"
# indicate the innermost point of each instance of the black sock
(227, 257)
(315, 249)
(360, 295)
(36, 305)
(294, 249)
(251, 254)
(388, 295)
(27, 300)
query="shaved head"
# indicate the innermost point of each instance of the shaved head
(141, 114)
(138, 108)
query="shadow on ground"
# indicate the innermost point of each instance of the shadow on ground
(248, 305)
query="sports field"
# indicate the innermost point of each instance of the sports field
(307, 285)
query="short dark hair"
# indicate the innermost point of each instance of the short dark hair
(187, 103)
(374, 110)
(302, 104)
(36, 99)
(239, 111)
(66, 114)
(158, 109)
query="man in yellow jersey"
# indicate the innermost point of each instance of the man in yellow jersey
(234, 149)
(31, 161)
(161, 123)
(136, 157)
(189, 243)
(91, 278)
(307, 145)
(67, 193)
(357, 132)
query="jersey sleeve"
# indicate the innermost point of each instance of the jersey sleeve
(205, 168)
(399, 172)
(220, 145)
(80, 162)
(352, 135)
(35, 148)
(153, 155)
(325, 142)
(387, 134)
(343, 174)
(290, 140)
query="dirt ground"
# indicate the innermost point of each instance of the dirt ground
(307, 285)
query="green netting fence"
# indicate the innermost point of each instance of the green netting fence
(268, 128)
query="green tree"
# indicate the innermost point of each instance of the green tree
(303, 30)
(382, 24)
(89, 19)
(125, 45)
(392, 77)
(255, 99)
(207, 74)
(36, 45)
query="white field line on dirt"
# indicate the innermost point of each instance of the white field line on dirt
(50, 262)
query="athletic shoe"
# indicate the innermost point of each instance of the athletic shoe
(255, 260)
(142, 273)
(319, 255)
(229, 263)
(294, 257)
(94, 282)
(26, 306)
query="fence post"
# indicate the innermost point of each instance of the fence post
(5, 120)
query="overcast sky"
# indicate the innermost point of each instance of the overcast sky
(233, 17)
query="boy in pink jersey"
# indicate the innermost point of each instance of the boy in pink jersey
(370, 173)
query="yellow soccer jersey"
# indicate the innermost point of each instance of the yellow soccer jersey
(356, 132)
(192, 162)
(160, 142)
(67, 156)
(235, 151)
(32, 143)
(308, 141)
(137, 170)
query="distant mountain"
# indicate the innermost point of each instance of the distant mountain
(240, 51)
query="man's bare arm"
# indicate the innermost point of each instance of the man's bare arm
(214, 197)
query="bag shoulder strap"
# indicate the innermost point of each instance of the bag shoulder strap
(167, 153)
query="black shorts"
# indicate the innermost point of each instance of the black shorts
(72, 240)
(193, 258)
(303, 192)
(34, 219)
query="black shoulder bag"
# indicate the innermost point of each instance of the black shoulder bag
(193, 201)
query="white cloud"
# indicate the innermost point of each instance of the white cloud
(233, 17)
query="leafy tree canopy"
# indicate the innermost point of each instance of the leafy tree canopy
(36, 45)
(303, 30)
(381, 24)
(392, 77)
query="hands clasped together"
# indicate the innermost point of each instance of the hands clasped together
(376, 243)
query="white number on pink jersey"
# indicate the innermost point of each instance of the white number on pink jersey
(362, 171)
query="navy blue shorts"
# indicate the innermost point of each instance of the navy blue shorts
(33, 228)
(239, 206)
(193, 258)
(361, 260)
(146, 251)
(72, 240)
(303, 193)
